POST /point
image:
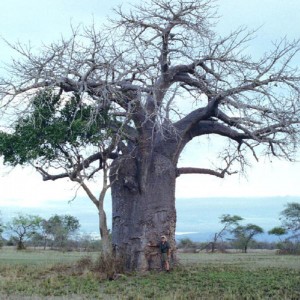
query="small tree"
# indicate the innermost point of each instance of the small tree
(61, 228)
(245, 234)
(278, 231)
(36, 240)
(229, 223)
(85, 242)
(1, 231)
(291, 218)
(186, 243)
(56, 134)
(44, 233)
(24, 227)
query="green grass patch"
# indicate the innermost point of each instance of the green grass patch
(8, 255)
(211, 282)
(200, 276)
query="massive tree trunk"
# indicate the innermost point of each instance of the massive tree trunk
(142, 215)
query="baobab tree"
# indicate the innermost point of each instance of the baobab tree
(165, 77)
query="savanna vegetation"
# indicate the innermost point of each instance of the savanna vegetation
(235, 235)
(212, 270)
(61, 232)
(215, 270)
(57, 275)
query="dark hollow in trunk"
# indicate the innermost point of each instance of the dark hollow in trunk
(142, 216)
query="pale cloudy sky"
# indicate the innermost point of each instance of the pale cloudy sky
(45, 20)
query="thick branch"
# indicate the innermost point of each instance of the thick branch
(181, 171)
(213, 127)
(77, 168)
(205, 171)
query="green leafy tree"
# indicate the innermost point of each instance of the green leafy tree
(229, 223)
(52, 128)
(291, 218)
(36, 240)
(60, 228)
(245, 234)
(23, 227)
(58, 134)
(1, 231)
(278, 231)
(164, 76)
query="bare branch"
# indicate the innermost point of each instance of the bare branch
(181, 171)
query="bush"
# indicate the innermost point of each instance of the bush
(105, 266)
(186, 243)
(288, 247)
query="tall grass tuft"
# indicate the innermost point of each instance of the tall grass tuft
(106, 266)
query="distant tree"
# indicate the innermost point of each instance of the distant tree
(1, 231)
(23, 227)
(229, 223)
(85, 242)
(245, 234)
(186, 243)
(36, 240)
(44, 237)
(291, 219)
(278, 231)
(60, 228)
(11, 241)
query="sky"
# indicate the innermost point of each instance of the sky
(43, 21)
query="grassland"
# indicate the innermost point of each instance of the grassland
(54, 275)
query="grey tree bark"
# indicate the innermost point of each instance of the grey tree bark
(142, 216)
